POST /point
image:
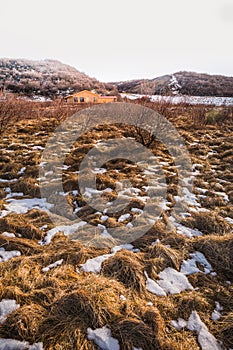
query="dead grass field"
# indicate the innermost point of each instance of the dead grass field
(58, 305)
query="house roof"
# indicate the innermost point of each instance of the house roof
(89, 92)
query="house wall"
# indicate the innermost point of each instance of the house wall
(106, 100)
(89, 97)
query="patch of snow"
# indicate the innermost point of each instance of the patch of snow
(37, 148)
(124, 217)
(89, 192)
(153, 287)
(66, 229)
(94, 265)
(103, 338)
(223, 195)
(179, 324)
(189, 266)
(187, 231)
(6, 255)
(173, 282)
(187, 197)
(7, 306)
(99, 171)
(8, 234)
(230, 220)
(149, 303)
(42, 164)
(21, 171)
(205, 339)
(122, 297)
(14, 194)
(12, 344)
(22, 206)
(137, 210)
(216, 314)
(104, 217)
(5, 181)
(51, 266)
(126, 246)
(43, 227)
(104, 231)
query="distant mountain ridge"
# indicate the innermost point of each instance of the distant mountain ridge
(184, 83)
(46, 78)
(52, 78)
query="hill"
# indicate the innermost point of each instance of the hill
(185, 83)
(46, 78)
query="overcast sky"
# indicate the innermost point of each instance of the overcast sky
(122, 39)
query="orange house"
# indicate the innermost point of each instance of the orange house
(86, 96)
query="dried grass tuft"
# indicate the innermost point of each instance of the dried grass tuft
(126, 268)
(23, 324)
(226, 329)
(209, 223)
(218, 251)
(170, 257)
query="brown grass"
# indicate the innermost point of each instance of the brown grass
(209, 223)
(219, 252)
(169, 256)
(23, 323)
(126, 268)
(226, 329)
(57, 306)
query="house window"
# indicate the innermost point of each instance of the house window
(94, 99)
(75, 99)
(81, 99)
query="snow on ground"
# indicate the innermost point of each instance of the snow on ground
(153, 287)
(8, 234)
(12, 344)
(124, 217)
(94, 264)
(104, 231)
(173, 282)
(126, 246)
(66, 229)
(189, 266)
(230, 220)
(99, 171)
(52, 266)
(6, 255)
(184, 230)
(193, 100)
(179, 324)
(7, 306)
(170, 282)
(205, 339)
(22, 206)
(90, 192)
(103, 338)
(188, 198)
(216, 314)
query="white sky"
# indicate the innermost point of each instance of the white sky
(122, 39)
